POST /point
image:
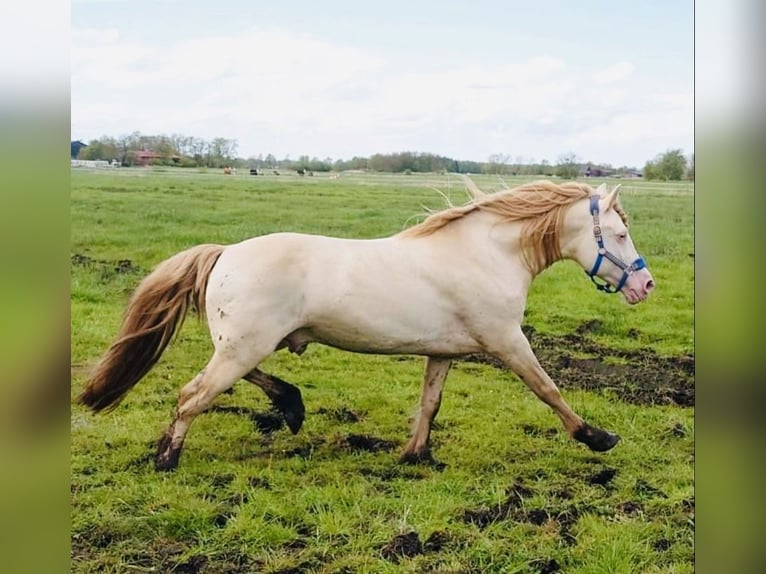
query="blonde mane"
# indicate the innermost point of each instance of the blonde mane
(540, 205)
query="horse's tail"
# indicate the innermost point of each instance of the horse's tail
(155, 312)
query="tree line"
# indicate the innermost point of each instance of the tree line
(176, 149)
(189, 151)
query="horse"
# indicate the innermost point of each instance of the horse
(452, 285)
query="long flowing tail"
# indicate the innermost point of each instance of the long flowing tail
(155, 312)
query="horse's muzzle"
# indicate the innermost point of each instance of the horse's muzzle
(638, 286)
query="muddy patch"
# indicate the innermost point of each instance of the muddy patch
(192, 565)
(306, 450)
(510, 508)
(117, 266)
(402, 546)
(630, 508)
(638, 376)
(603, 477)
(266, 422)
(162, 555)
(514, 509)
(437, 541)
(409, 545)
(531, 430)
(341, 414)
(363, 442)
(545, 566)
(646, 490)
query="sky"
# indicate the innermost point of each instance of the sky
(612, 82)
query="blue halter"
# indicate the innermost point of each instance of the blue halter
(627, 270)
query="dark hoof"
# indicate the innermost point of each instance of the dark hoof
(294, 419)
(166, 463)
(167, 456)
(290, 404)
(596, 439)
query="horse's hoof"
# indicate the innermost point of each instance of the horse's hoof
(596, 439)
(167, 457)
(290, 404)
(166, 462)
(294, 420)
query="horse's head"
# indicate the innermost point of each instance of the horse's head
(598, 239)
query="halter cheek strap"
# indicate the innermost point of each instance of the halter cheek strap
(603, 252)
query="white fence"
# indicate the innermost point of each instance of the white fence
(94, 163)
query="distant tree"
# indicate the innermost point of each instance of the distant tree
(673, 164)
(690, 169)
(568, 166)
(498, 164)
(544, 168)
(670, 165)
(650, 171)
(101, 149)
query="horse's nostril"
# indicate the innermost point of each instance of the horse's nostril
(649, 285)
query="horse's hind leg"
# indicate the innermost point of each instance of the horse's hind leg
(430, 400)
(219, 375)
(285, 397)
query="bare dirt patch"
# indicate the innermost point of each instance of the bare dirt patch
(368, 443)
(118, 266)
(546, 566)
(402, 546)
(341, 414)
(636, 376)
(603, 477)
(266, 422)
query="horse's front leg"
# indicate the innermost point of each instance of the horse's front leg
(517, 354)
(430, 399)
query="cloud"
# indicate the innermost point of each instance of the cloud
(279, 91)
(614, 73)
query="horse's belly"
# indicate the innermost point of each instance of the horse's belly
(361, 338)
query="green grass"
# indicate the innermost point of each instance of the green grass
(246, 501)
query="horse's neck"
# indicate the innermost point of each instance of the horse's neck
(485, 239)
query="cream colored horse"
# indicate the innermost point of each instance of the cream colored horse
(455, 284)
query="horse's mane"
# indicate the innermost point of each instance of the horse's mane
(540, 205)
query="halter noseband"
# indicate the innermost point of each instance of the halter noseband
(627, 270)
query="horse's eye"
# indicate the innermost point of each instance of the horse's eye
(622, 236)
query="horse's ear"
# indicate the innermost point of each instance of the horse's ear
(601, 190)
(611, 198)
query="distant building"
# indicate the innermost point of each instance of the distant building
(146, 157)
(76, 146)
(590, 170)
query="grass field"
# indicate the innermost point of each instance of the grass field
(512, 492)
